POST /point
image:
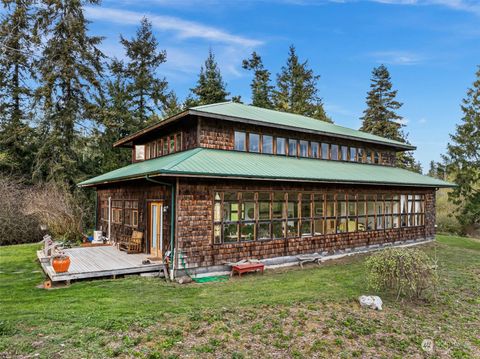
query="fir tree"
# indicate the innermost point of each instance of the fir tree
(380, 117)
(17, 139)
(70, 69)
(297, 90)
(115, 119)
(261, 88)
(210, 86)
(148, 92)
(463, 156)
(172, 105)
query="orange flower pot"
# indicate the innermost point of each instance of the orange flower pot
(61, 265)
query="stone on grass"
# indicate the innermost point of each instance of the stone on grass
(370, 301)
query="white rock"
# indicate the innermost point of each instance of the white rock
(370, 301)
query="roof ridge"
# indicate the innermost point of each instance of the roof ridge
(211, 105)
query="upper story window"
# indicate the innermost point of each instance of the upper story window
(281, 146)
(343, 153)
(353, 154)
(334, 152)
(139, 152)
(292, 147)
(315, 150)
(303, 148)
(240, 141)
(325, 151)
(253, 142)
(160, 147)
(267, 144)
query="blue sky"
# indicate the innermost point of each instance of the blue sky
(431, 47)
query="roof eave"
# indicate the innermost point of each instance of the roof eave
(124, 142)
(265, 178)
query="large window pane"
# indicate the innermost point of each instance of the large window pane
(343, 153)
(240, 141)
(264, 230)
(306, 206)
(318, 205)
(292, 147)
(353, 154)
(306, 229)
(267, 144)
(303, 148)
(318, 226)
(361, 155)
(281, 146)
(334, 152)
(247, 231)
(277, 229)
(264, 206)
(325, 151)
(253, 142)
(230, 232)
(315, 150)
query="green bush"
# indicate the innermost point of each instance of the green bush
(406, 272)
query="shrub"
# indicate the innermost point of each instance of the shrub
(405, 271)
(53, 204)
(16, 226)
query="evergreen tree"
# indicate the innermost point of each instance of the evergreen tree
(297, 90)
(261, 88)
(70, 69)
(463, 156)
(115, 119)
(172, 105)
(148, 92)
(17, 138)
(210, 86)
(380, 117)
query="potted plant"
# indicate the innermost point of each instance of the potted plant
(60, 262)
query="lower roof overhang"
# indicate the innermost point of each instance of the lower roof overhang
(220, 164)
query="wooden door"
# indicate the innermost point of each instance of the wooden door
(156, 229)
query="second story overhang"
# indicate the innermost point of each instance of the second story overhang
(251, 115)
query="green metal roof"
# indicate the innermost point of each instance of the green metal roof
(203, 162)
(290, 120)
(238, 112)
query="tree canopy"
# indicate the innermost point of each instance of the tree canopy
(381, 118)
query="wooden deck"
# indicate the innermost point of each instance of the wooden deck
(94, 262)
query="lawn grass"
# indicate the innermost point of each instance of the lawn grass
(285, 313)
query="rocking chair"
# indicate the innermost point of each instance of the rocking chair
(131, 244)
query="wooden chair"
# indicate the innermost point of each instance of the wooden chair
(131, 244)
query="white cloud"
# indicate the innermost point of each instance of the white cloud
(423, 120)
(397, 57)
(402, 121)
(184, 29)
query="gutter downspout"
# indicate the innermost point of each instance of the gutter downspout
(172, 223)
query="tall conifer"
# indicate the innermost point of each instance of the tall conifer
(463, 157)
(210, 86)
(297, 90)
(260, 85)
(70, 71)
(380, 117)
(16, 87)
(148, 91)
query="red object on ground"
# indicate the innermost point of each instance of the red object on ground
(247, 267)
(61, 265)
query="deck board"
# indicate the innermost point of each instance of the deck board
(91, 262)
